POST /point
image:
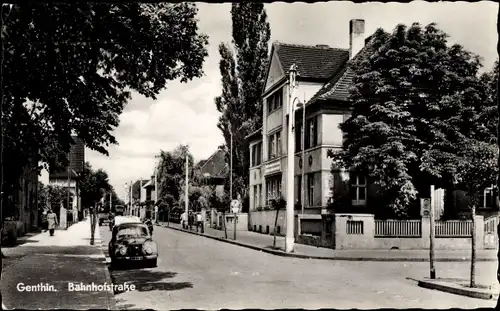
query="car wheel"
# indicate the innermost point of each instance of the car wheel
(153, 263)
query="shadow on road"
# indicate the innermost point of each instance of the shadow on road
(147, 280)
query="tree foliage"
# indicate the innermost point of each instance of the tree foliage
(243, 77)
(172, 173)
(51, 196)
(93, 185)
(70, 69)
(417, 102)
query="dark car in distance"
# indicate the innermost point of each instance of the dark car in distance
(131, 242)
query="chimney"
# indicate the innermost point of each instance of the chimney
(356, 36)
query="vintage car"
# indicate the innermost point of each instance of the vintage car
(131, 242)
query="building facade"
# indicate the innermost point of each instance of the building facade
(68, 178)
(323, 78)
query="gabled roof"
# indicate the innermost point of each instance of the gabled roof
(200, 163)
(313, 61)
(338, 87)
(215, 166)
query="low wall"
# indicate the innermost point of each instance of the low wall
(357, 231)
(309, 224)
(262, 219)
(362, 239)
(309, 240)
(241, 221)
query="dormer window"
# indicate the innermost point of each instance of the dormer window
(275, 100)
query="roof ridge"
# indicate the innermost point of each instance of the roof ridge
(318, 46)
(209, 158)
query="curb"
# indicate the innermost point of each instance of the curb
(283, 254)
(469, 292)
(111, 295)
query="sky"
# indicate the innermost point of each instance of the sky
(185, 113)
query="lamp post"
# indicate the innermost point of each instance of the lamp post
(186, 194)
(156, 194)
(290, 240)
(303, 149)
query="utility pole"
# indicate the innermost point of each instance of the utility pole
(231, 163)
(289, 240)
(156, 193)
(68, 193)
(130, 199)
(432, 234)
(186, 194)
(303, 142)
(231, 181)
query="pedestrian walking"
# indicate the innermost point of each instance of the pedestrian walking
(190, 220)
(45, 225)
(52, 221)
(184, 220)
(199, 223)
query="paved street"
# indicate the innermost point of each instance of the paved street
(266, 241)
(56, 261)
(196, 272)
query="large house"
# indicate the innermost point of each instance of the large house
(323, 78)
(214, 170)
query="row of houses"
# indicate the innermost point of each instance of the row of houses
(142, 199)
(24, 211)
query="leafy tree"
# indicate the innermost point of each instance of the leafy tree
(93, 186)
(171, 172)
(67, 71)
(415, 100)
(50, 196)
(243, 77)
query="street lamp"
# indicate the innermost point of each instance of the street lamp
(303, 149)
(290, 217)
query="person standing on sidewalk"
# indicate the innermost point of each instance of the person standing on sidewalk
(199, 223)
(52, 221)
(190, 220)
(184, 220)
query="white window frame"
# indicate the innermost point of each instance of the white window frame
(310, 189)
(358, 186)
(491, 192)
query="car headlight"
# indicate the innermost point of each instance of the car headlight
(123, 250)
(149, 247)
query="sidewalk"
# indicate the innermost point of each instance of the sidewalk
(54, 262)
(264, 242)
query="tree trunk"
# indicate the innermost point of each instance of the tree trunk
(224, 222)
(92, 225)
(473, 253)
(168, 217)
(275, 226)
